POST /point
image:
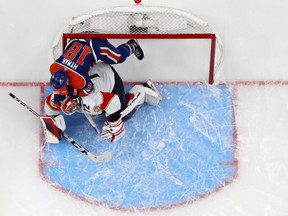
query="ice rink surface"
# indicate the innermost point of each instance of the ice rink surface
(174, 153)
(255, 69)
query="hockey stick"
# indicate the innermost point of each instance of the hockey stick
(96, 158)
(91, 121)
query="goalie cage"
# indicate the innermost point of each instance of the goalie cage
(142, 22)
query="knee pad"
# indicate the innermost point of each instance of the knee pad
(151, 97)
(139, 95)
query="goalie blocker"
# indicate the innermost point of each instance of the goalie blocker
(104, 157)
(53, 127)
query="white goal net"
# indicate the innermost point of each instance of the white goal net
(150, 23)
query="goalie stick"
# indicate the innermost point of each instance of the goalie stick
(106, 156)
(91, 121)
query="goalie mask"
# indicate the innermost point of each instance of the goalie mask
(70, 105)
(59, 79)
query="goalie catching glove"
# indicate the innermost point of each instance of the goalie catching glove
(113, 131)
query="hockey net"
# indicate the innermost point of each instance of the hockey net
(150, 23)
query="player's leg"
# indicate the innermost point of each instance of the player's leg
(106, 52)
(152, 96)
(136, 49)
(145, 92)
(118, 89)
(130, 102)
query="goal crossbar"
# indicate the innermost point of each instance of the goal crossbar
(212, 37)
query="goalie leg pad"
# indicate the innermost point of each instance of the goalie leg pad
(145, 92)
(152, 95)
(135, 98)
(139, 96)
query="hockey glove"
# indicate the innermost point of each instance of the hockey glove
(113, 131)
(63, 91)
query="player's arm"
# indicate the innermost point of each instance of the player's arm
(68, 90)
(75, 93)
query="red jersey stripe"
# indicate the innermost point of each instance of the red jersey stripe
(107, 98)
(110, 54)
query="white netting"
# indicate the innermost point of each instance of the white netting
(139, 19)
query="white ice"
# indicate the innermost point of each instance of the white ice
(254, 35)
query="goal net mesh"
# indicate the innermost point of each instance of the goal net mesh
(140, 19)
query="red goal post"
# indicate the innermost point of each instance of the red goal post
(143, 22)
(212, 37)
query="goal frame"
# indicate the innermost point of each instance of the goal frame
(209, 36)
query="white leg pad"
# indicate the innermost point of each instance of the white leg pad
(142, 94)
(139, 95)
(136, 101)
(152, 96)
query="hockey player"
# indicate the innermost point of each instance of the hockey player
(70, 71)
(109, 98)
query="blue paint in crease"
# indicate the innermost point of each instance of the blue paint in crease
(170, 153)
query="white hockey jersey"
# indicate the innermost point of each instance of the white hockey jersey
(101, 99)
